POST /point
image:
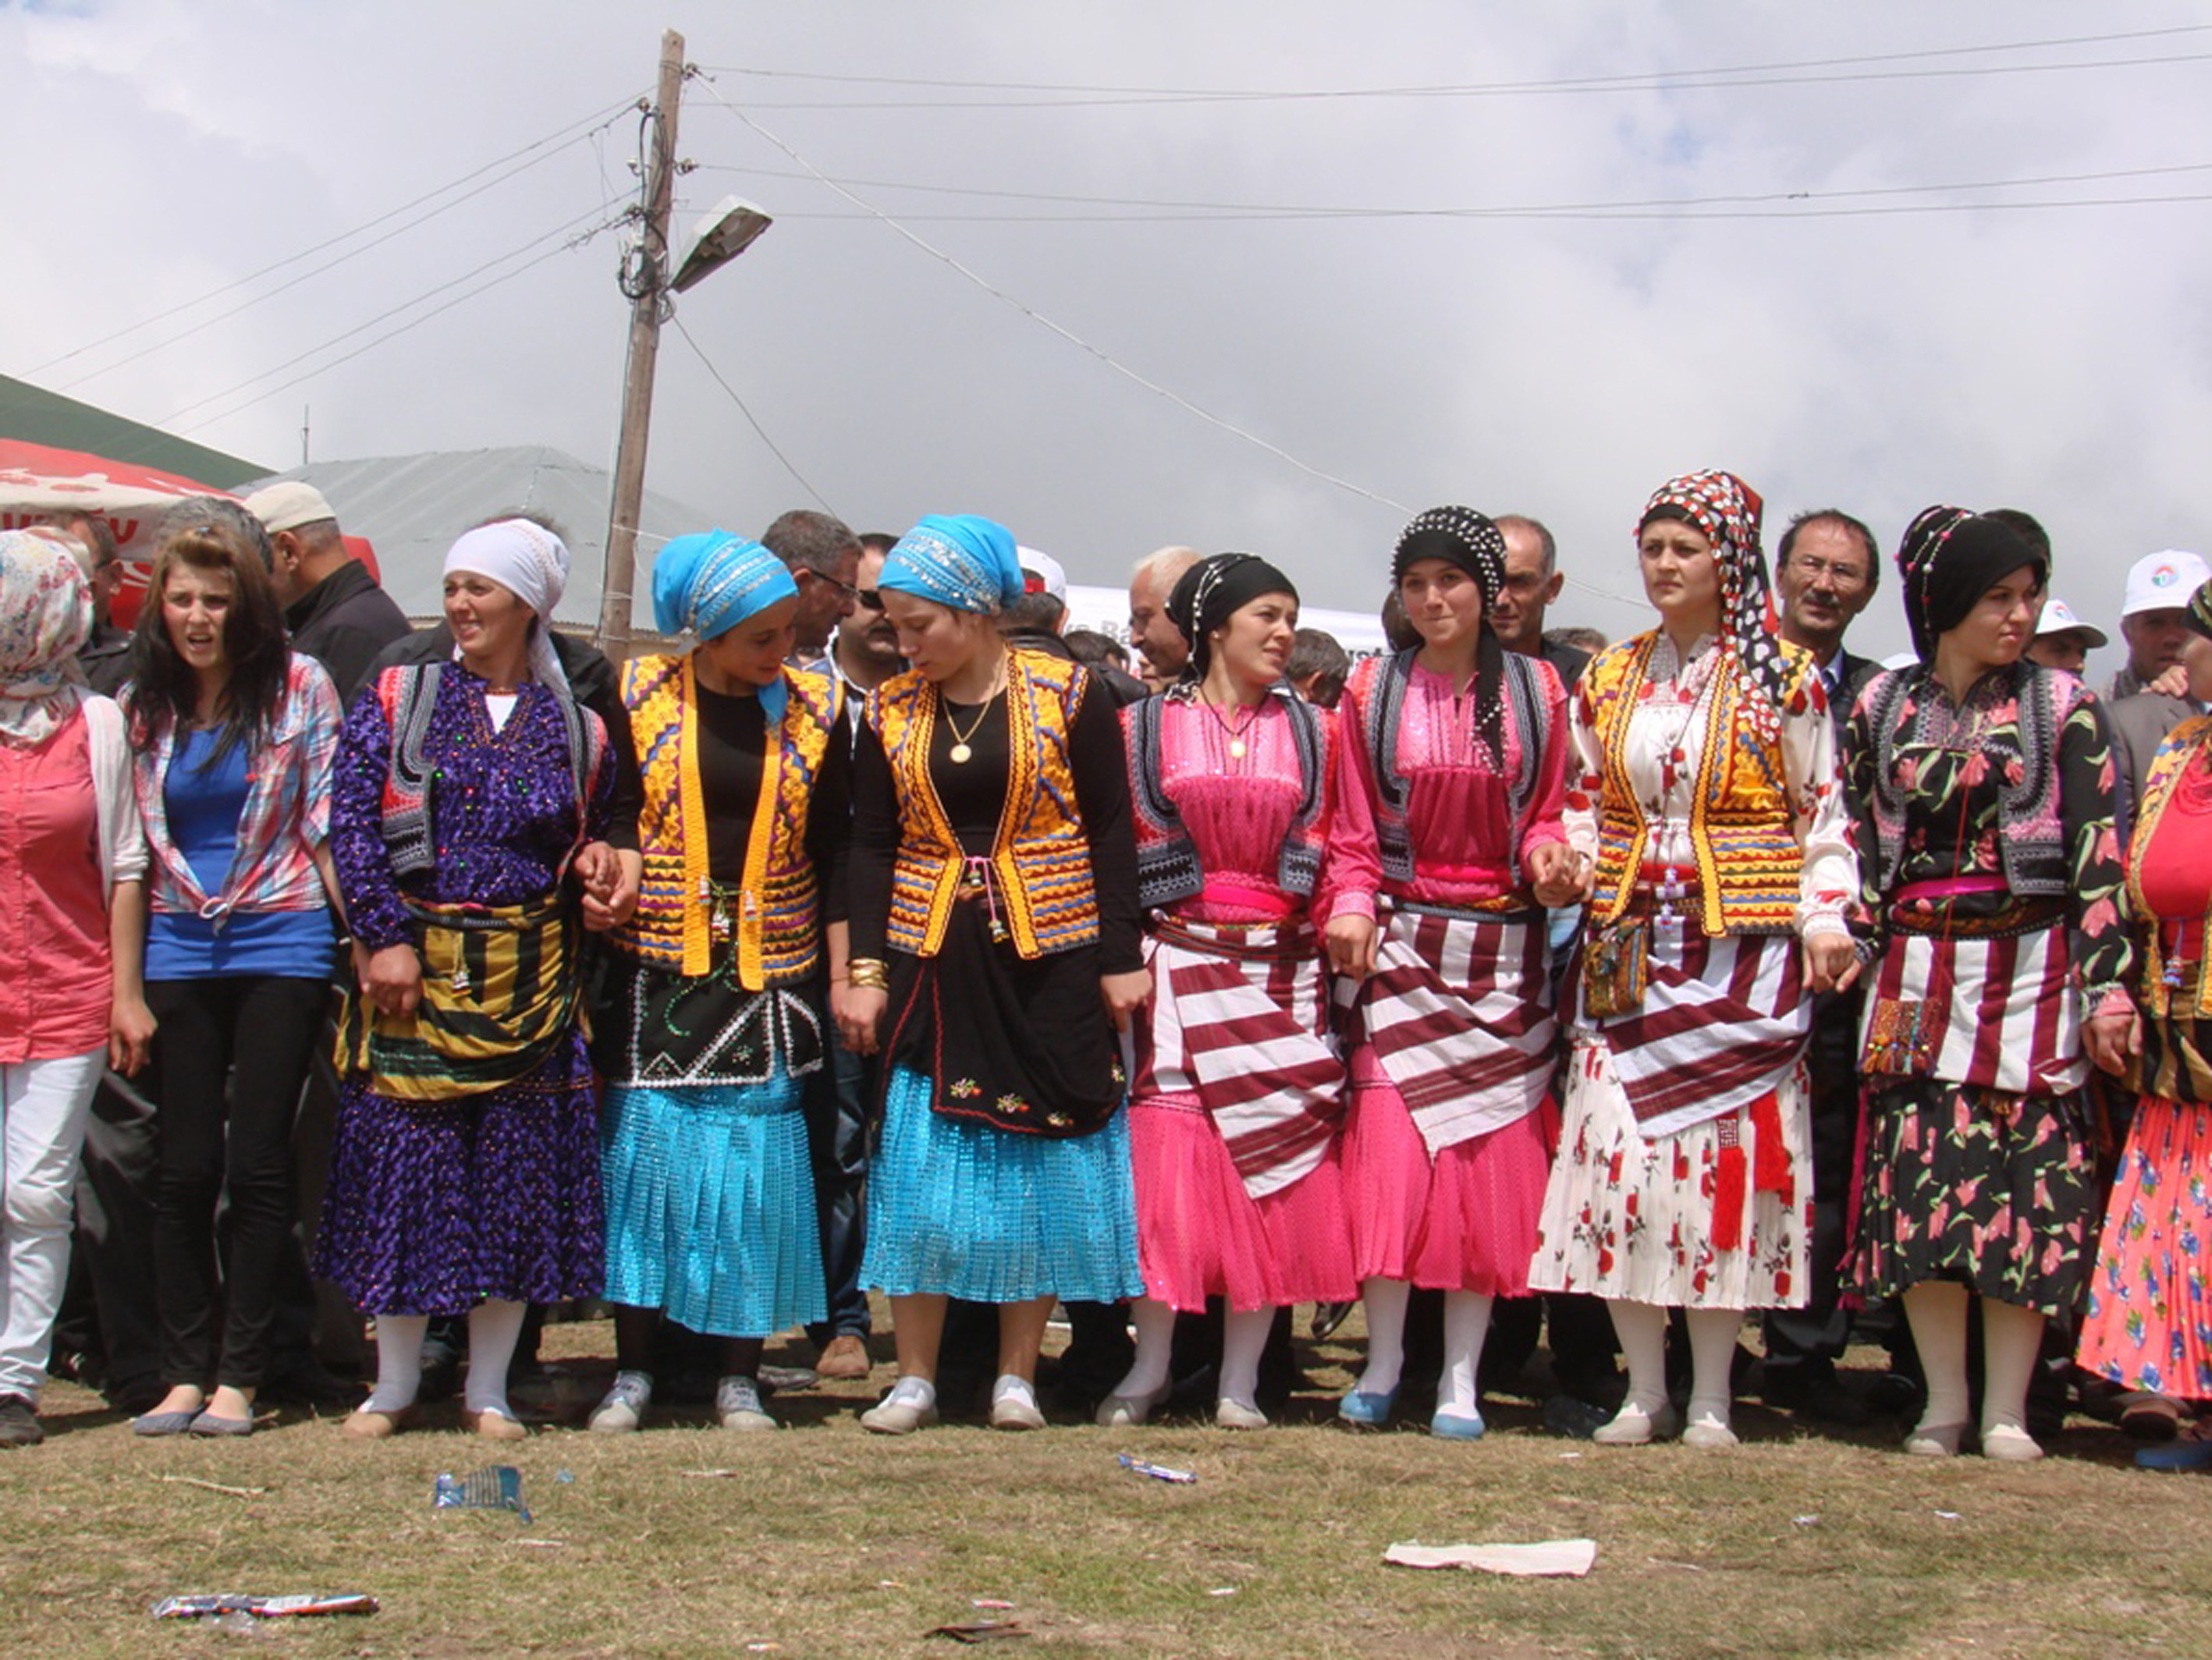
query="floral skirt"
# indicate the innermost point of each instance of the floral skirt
(1997, 1191)
(1632, 1219)
(710, 1207)
(2151, 1306)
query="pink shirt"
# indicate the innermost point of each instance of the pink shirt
(55, 991)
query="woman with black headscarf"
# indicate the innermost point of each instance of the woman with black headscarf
(1981, 789)
(1234, 1112)
(1708, 800)
(1447, 842)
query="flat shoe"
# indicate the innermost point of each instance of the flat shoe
(2176, 1456)
(1709, 1432)
(1368, 1408)
(1935, 1440)
(1633, 1426)
(1230, 1413)
(1127, 1411)
(208, 1424)
(895, 1416)
(495, 1426)
(163, 1423)
(366, 1425)
(2010, 1444)
(1012, 1412)
(1457, 1426)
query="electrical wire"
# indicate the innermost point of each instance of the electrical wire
(559, 140)
(752, 420)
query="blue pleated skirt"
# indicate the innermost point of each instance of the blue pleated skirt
(710, 1206)
(959, 1208)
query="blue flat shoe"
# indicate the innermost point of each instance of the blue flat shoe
(1367, 1409)
(162, 1423)
(2176, 1456)
(208, 1424)
(1458, 1425)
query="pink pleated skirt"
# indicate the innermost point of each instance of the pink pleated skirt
(1465, 1220)
(1201, 1234)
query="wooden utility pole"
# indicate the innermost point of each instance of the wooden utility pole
(651, 283)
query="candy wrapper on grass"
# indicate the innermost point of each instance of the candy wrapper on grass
(496, 1487)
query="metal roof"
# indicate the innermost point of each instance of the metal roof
(410, 508)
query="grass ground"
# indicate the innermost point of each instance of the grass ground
(684, 1541)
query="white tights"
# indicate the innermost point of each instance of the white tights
(2012, 1337)
(1641, 1329)
(494, 1328)
(1467, 1323)
(1243, 1339)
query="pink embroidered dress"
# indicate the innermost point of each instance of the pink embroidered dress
(1452, 1038)
(1238, 1091)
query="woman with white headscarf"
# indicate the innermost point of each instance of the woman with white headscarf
(72, 1000)
(709, 1027)
(995, 941)
(471, 801)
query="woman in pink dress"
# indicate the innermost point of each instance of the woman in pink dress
(1234, 1112)
(1445, 845)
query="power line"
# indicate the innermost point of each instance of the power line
(572, 243)
(558, 139)
(752, 420)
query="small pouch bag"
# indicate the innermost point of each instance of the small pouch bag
(1902, 1036)
(1616, 967)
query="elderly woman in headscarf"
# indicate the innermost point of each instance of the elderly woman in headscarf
(711, 1027)
(472, 799)
(1238, 1093)
(73, 864)
(1706, 805)
(995, 950)
(2149, 1324)
(1445, 845)
(1981, 785)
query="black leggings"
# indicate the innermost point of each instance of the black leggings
(229, 1057)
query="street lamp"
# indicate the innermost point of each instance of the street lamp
(725, 232)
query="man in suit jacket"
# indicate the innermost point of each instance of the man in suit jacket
(1826, 571)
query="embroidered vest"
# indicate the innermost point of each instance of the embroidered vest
(2031, 833)
(1168, 865)
(775, 918)
(1750, 867)
(1040, 855)
(2158, 998)
(1377, 698)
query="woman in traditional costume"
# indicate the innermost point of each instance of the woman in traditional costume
(1234, 1114)
(995, 949)
(712, 1025)
(1706, 801)
(1446, 844)
(1981, 787)
(472, 799)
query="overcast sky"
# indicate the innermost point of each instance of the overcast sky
(1531, 258)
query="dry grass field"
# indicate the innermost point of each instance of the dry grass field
(686, 1541)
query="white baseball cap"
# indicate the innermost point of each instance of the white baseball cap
(288, 505)
(2058, 618)
(1042, 574)
(2163, 582)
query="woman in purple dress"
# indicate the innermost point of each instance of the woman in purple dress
(471, 800)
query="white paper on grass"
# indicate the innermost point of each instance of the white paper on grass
(1547, 1559)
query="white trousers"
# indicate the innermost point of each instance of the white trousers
(43, 1107)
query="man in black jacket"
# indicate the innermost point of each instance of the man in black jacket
(334, 610)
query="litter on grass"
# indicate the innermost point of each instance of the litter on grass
(984, 1631)
(1157, 1472)
(496, 1487)
(263, 1607)
(1548, 1559)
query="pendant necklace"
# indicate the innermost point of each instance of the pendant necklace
(1234, 734)
(960, 752)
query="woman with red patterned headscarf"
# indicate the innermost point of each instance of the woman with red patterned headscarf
(1708, 816)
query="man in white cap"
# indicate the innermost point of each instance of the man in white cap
(334, 610)
(1036, 620)
(2150, 697)
(2063, 641)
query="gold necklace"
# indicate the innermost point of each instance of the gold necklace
(960, 752)
(1234, 734)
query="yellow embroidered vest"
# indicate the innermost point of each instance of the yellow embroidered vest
(1040, 857)
(1750, 867)
(776, 917)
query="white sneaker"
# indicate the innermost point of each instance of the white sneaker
(623, 1408)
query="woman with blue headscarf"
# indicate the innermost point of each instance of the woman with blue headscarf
(710, 1026)
(995, 948)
